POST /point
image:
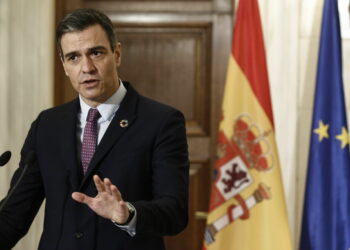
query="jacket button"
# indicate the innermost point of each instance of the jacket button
(79, 235)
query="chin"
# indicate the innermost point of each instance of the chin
(93, 98)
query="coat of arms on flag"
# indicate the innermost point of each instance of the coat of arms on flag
(247, 150)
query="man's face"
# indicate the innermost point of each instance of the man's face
(90, 64)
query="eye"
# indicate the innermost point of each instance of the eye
(72, 58)
(96, 53)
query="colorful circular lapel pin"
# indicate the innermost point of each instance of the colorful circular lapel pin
(124, 123)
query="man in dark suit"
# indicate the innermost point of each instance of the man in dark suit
(112, 165)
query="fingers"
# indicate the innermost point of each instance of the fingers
(108, 202)
(82, 198)
(116, 193)
(112, 189)
(107, 186)
(99, 184)
(102, 186)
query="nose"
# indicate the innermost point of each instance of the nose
(88, 65)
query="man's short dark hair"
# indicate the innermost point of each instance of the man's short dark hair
(79, 20)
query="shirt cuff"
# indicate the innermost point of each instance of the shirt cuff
(130, 228)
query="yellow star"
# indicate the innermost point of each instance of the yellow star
(343, 137)
(322, 131)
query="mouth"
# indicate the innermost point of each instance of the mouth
(90, 83)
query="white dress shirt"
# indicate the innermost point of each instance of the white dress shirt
(107, 111)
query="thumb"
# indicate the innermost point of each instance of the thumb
(80, 197)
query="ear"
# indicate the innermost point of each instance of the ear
(118, 54)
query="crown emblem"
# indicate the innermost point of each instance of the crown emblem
(253, 143)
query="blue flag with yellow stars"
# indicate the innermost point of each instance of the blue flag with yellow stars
(326, 218)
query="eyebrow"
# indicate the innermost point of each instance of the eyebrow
(69, 54)
(98, 48)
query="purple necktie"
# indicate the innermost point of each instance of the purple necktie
(89, 139)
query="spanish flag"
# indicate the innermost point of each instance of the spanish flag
(247, 206)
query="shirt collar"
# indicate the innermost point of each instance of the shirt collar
(108, 108)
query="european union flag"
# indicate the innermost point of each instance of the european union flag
(326, 218)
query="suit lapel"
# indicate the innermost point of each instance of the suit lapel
(121, 122)
(68, 137)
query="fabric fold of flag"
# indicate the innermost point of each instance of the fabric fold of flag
(326, 216)
(247, 208)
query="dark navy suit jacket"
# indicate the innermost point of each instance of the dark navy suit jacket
(147, 160)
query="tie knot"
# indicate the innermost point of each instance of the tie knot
(93, 115)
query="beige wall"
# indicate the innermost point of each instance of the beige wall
(26, 81)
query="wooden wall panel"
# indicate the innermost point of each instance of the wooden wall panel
(170, 64)
(156, 7)
(63, 89)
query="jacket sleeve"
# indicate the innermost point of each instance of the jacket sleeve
(167, 213)
(21, 208)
